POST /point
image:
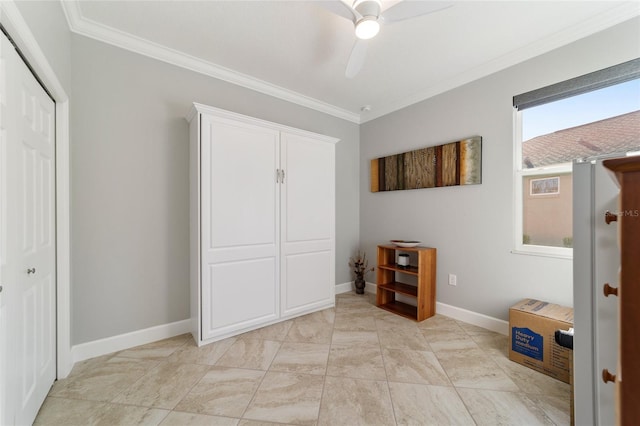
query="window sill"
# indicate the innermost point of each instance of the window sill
(567, 256)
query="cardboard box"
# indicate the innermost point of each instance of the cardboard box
(532, 324)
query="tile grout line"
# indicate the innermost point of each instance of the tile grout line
(198, 382)
(164, 359)
(326, 370)
(455, 388)
(193, 386)
(253, 396)
(386, 373)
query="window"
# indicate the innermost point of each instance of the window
(591, 116)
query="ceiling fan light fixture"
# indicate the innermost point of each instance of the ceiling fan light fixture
(367, 27)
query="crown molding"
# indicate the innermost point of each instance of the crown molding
(92, 29)
(614, 16)
(106, 34)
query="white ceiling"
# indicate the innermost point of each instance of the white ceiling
(298, 50)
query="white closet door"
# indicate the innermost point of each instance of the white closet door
(7, 272)
(28, 240)
(308, 206)
(240, 231)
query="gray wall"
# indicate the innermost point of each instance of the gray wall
(472, 227)
(48, 24)
(130, 184)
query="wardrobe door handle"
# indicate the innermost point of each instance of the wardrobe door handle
(31, 271)
(610, 217)
(608, 290)
(608, 377)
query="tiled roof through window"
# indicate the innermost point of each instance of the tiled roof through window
(618, 134)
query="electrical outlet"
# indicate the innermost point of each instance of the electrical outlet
(453, 280)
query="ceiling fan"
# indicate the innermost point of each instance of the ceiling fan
(367, 17)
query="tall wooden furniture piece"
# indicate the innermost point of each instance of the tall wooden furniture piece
(262, 223)
(392, 281)
(627, 374)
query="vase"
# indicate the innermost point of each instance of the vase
(360, 283)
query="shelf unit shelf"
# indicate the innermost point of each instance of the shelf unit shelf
(402, 309)
(410, 270)
(409, 290)
(390, 276)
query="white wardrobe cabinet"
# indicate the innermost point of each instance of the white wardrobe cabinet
(262, 222)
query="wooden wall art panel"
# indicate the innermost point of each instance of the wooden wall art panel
(455, 163)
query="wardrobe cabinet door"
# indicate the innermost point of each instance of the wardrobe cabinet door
(239, 225)
(308, 205)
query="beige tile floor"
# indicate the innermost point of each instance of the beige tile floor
(352, 365)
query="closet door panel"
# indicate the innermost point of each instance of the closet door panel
(28, 368)
(243, 294)
(308, 202)
(309, 187)
(241, 196)
(306, 277)
(239, 226)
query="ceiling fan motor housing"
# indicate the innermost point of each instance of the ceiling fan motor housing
(368, 8)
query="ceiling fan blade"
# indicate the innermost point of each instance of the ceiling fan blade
(408, 9)
(341, 8)
(356, 60)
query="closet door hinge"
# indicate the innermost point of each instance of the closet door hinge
(279, 176)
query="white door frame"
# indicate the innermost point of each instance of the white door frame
(21, 35)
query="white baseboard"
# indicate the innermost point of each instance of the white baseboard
(347, 287)
(121, 342)
(474, 318)
(344, 287)
(128, 340)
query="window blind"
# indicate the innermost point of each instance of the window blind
(616, 74)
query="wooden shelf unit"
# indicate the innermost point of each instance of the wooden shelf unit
(389, 279)
(626, 172)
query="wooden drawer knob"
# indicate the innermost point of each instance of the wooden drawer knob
(608, 377)
(608, 290)
(610, 217)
